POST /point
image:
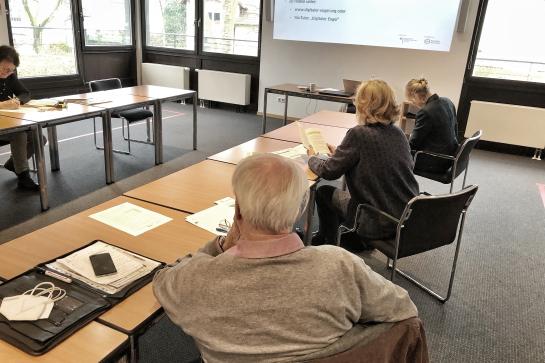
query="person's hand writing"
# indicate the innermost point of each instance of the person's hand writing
(310, 151)
(331, 149)
(11, 104)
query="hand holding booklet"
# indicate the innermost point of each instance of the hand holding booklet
(312, 137)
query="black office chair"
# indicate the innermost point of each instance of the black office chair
(130, 116)
(460, 162)
(428, 222)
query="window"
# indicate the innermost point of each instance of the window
(107, 22)
(234, 29)
(43, 34)
(170, 24)
(510, 43)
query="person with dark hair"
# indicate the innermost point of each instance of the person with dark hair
(12, 94)
(435, 127)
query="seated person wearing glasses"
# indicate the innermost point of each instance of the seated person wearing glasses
(260, 295)
(435, 127)
(12, 95)
(376, 161)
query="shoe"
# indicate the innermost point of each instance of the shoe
(9, 165)
(25, 182)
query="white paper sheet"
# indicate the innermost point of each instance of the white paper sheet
(210, 219)
(130, 218)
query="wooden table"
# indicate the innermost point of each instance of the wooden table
(259, 145)
(189, 190)
(332, 135)
(166, 243)
(93, 343)
(289, 89)
(10, 124)
(332, 118)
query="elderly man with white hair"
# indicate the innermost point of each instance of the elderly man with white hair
(260, 295)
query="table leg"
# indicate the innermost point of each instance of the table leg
(40, 164)
(108, 146)
(158, 131)
(53, 148)
(133, 354)
(264, 126)
(285, 110)
(310, 213)
(195, 121)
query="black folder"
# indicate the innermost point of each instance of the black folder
(81, 305)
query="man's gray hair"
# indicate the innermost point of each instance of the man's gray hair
(271, 191)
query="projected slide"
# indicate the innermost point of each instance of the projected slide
(415, 24)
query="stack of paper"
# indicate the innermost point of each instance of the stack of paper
(130, 267)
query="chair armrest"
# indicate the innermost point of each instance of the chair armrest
(376, 210)
(437, 155)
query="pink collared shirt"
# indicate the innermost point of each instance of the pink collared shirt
(281, 246)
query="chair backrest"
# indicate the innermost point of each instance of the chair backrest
(429, 222)
(462, 155)
(104, 84)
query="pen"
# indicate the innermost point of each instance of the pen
(219, 229)
(55, 275)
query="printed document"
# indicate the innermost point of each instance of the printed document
(130, 218)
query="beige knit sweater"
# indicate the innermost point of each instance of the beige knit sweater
(276, 309)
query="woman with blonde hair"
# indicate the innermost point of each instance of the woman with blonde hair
(435, 127)
(375, 159)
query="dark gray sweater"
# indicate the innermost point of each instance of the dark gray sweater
(378, 166)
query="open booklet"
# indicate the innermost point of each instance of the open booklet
(313, 137)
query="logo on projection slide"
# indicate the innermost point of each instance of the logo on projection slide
(430, 41)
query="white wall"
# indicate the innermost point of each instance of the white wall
(4, 39)
(327, 64)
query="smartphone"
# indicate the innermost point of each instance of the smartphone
(102, 264)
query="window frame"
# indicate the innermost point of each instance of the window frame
(61, 80)
(489, 81)
(106, 48)
(166, 50)
(199, 53)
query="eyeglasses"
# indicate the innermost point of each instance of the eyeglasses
(7, 69)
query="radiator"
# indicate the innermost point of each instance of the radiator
(224, 87)
(508, 124)
(165, 75)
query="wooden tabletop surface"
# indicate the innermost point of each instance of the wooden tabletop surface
(333, 135)
(36, 115)
(8, 122)
(90, 344)
(259, 145)
(190, 190)
(112, 98)
(156, 91)
(332, 118)
(293, 88)
(164, 243)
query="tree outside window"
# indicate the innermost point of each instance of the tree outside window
(170, 24)
(43, 35)
(234, 28)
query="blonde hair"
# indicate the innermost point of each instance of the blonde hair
(417, 88)
(271, 192)
(375, 103)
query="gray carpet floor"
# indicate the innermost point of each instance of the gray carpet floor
(497, 309)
